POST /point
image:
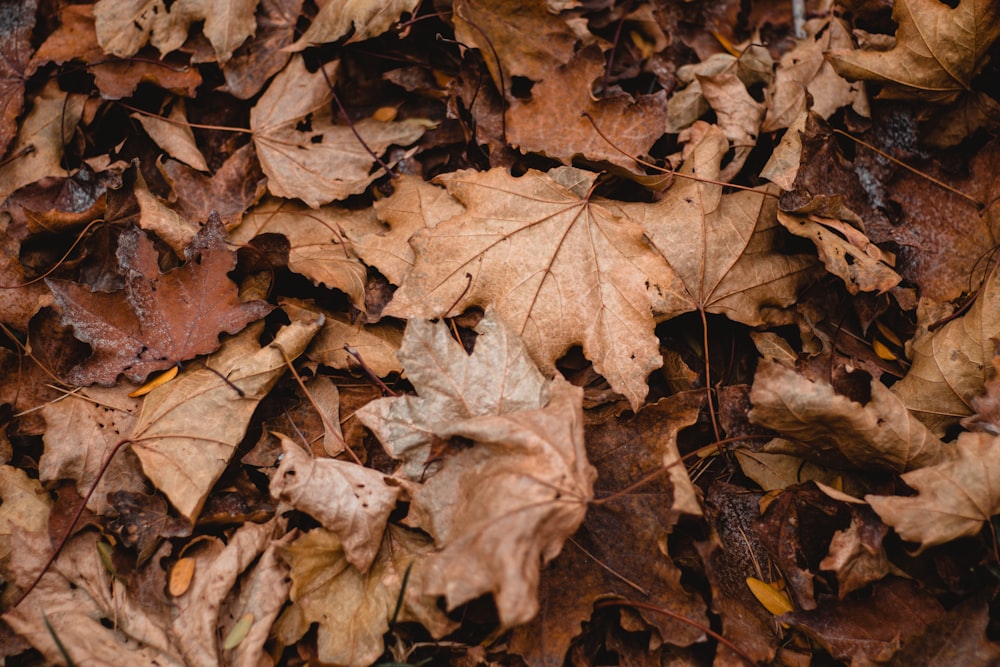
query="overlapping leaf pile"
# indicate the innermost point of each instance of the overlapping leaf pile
(504, 333)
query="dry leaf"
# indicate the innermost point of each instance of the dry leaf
(317, 247)
(174, 135)
(377, 345)
(361, 18)
(323, 162)
(159, 319)
(124, 26)
(264, 54)
(17, 19)
(952, 364)
(738, 115)
(938, 51)
(502, 508)
(189, 428)
(346, 498)
(881, 433)
(954, 497)
(559, 269)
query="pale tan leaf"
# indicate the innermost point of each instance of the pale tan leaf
(376, 343)
(38, 149)
(954, 497)
(559, 269)
(24, 508)
(189, 428)
(325, 162)
(497, 377)
(737, 113)
(125, 26)
(82, 430)
(938, 51)
(367, 19)
(881, 433)
(346, 498)
(502, 508)
(157, 217)
(318, 249)
(952, 364)
(174, 135)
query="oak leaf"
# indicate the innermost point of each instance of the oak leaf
(124, 27)
(952, 364)
(954, 497)
(348, 499)
(189, 428)
(938, 50)
(303, 153)
(159, 319)
(361, 18)
(881, 433)
(559, 267)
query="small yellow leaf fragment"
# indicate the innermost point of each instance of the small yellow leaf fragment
(180, 576)
(888, 334)
(161, 379)
(774, 600)
(239, 632)
(104, 552)
(385, 114)
(882, 350)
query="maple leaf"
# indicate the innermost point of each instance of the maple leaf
(350, 500)
(124, 27)
(559, 268)
(317, 248)
(366, 19)
(954, 497)
(352, 608)
(159, 319)
(263, 55)
(376, 343)
(880, 433)
(189, 428)
(722, 248)
(952, 364)
(322, 162)
(938, 50)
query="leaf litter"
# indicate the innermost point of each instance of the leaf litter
(504, 333)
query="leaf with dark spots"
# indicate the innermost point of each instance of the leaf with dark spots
(159, 319)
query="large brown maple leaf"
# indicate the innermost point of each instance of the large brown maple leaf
(158, 319)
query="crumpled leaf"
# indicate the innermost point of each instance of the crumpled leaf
(502, 508)
(353, 609)
(987, 405)
(263, 55)
(560, 269)
(738, 115)
(376, 343)
(938, 51)
(348, 499)
(952, 364)
(317, 247)
(189, 428)
(124, 26)
(451, 385)
(17, 19)
(339, 17)
(722, 247)
(954, 497)
(881, 433)
(323, 162)
(174, 135)
(159, 319)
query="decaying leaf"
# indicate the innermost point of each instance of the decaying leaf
(16, 22)
(348, 499)
(938, 50)
(360, 18)
(159, 319)
(189, 428)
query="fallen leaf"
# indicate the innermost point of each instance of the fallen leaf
(173, 134)
(952, 364)
(738, 115)
(502, 508)
(856, 553)
(377, 345)
(159, 319)
(880, 433)
(554, 120)
(870, 630)
(560, 269)
(124, 28)
(938, 50)
(317, 247)
(987, 405)
(17, 20)
(188, 429)
(24, 509)
(323, 162)
(353, 609)
(954, 497)
(957, 638)
(362, 19)
(346, 498)
(19, 301)
(263, 55)
(142, 521)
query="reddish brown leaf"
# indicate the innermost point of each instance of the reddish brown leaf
(16, 22)
(159, 319)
